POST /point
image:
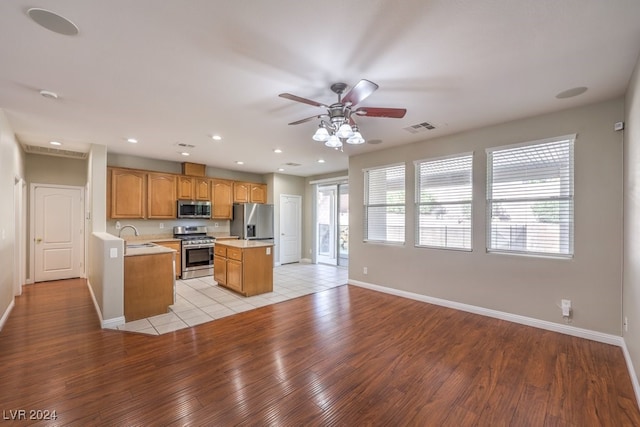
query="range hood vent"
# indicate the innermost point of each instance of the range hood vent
(36, 149)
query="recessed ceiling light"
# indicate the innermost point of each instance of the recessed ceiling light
(570, 93)
(320, 160)
(184, 153)
(277, 151)
(52, 21)
(132, 140)
(280, 169)
(55, 143)
(216, 137)
(49, 94)
(239, 162)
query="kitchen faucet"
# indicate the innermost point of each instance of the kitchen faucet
(135, 230)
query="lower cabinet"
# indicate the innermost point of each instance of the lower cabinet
(246, 270)
(148, 285)
(176, 247)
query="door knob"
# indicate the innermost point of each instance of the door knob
(38, 240)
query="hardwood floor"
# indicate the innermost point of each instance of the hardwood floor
(345, 356)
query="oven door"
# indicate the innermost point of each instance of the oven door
(197, 261)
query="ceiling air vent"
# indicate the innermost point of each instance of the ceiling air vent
(182, 144)
(420, 127)
(36, 149)
(293, 164)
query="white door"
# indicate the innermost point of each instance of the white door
(58, 232)
(290, 228)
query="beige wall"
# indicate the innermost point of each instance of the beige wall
(11, 168)
(526, 286)
(631, 289)
(279, 184)
(44, 169)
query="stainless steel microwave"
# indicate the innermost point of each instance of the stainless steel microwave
(194, 209)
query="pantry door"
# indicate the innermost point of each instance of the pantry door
(57, 232)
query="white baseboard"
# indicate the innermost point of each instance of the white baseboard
(6, 313)
(630, 368)
(529, 321)
(104, 323)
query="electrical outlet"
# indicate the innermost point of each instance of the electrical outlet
(565, 304)
(162, 225)
(365, 270)
(118, 226)
(215, 224)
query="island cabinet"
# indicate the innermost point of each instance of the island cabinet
(148, 284)
(175, 245)
(244, 266)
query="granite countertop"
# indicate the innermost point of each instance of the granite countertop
(244, 244)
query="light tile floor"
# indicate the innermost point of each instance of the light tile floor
(201, 300)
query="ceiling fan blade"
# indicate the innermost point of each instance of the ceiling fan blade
(303, 100)
(359, 92)
(307, 119)
(393, 113)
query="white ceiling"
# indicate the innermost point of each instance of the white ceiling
(168, 72)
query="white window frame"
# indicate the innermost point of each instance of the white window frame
(468, 156)
(368, 205)
(568, 198)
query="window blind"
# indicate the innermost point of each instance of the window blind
(443, 198)
(530, 198)
(384, 202)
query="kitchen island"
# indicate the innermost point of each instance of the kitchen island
(244, 266)
(149, 280)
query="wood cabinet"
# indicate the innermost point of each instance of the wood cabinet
(247, 270)
(249, 192)
(175, 245)
(161, 196)
(127, 193)
(222, 198)
(148, 285)
(193, 188)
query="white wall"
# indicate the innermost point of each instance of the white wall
(11, 168)
(631, 289)
(527, 286)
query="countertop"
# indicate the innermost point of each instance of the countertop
(244, 244)
(147, 250)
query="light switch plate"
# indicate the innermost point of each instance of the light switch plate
(113, 253)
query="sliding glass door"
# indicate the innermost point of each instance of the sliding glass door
(332, 224)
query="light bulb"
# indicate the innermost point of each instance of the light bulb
(344, 131)
(321, 135)
(333, 142)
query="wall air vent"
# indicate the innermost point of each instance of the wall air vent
(293, 164)
(420, 127)
(36, 149)
(183, 145)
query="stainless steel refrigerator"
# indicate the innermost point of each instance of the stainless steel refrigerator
(252, 221)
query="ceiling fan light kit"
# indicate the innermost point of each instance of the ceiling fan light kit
(341, 126)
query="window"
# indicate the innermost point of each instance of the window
(384, 204)
(443, 202)
(530, 198)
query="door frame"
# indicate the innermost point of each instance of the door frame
(32, 226)
(20, 235)
(298, 225)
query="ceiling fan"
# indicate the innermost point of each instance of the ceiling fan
(341, 125)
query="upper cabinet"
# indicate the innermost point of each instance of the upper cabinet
(249, 192)
(161, 196)
(141, 194)
(127, 189)
(222, 198)
(193, 188)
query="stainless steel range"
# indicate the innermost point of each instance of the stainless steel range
(197, 251)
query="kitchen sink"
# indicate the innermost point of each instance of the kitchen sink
(140, 245)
